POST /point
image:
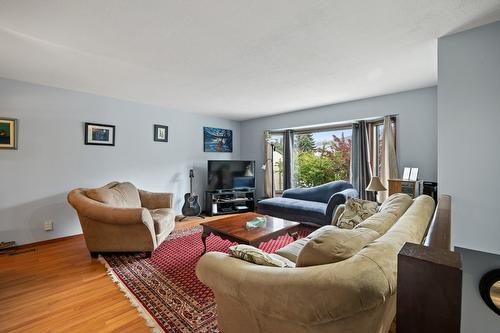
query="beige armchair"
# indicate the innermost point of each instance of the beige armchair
(120, 218)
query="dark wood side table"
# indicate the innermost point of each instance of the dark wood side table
(233, 229)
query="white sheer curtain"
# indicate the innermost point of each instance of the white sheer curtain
(389, 162)
(268, 166)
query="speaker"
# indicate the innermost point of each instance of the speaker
(430, 189)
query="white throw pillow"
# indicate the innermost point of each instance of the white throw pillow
(356, 211)
(259, 257)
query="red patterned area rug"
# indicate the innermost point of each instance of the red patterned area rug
(165, 289)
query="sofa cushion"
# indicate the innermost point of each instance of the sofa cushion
(396, 204)
(163, 218)
(356, 211)
(380, 222)
(389, 212)
(294, 209)
(123, 195)
(410, 227)
(334, 245)
(258, 256)
(292, 250)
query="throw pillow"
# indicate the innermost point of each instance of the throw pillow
(259, 257)
(356, 211)
(119, 195)
(334, 245)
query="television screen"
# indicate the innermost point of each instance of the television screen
(230, 174)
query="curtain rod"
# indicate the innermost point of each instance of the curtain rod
(330, 126)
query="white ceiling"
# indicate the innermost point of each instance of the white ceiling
(237, 59)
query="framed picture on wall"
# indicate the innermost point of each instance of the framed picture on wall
(99, 134)
(160, 133)
(217, 140)
(8, 133)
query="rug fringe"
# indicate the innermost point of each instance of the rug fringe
(150, 321)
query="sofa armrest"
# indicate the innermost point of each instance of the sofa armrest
(152, 200)
(338, 198)
(338, 211)
(305, 295)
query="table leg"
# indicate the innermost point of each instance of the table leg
(204, 236)
(254, 244)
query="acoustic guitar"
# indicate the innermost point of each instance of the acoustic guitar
(191, 206)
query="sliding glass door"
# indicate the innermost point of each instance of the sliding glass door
(278, 163)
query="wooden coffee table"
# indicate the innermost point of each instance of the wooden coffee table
(233, 228)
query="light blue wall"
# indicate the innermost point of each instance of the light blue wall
(469, 158)
(52, 159)
(417, 134)
(469, 135)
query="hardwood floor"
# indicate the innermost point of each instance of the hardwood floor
(57, 287)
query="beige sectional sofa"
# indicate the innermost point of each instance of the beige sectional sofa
(120, 218)
(356, 294)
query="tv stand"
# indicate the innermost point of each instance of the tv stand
(229, 201)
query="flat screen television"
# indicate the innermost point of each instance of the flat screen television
(228, 175)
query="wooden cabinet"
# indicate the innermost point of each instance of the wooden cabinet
(410, 187)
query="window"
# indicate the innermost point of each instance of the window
(322, 156)
(278, 174)
(377, 148)
(376, 133)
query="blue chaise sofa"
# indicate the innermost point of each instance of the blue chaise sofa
(314, 205)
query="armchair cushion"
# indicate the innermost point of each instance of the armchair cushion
(334, 245)
(152, 200)
(163, 219)
(123, 195)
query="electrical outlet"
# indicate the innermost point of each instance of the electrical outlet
(48, 225)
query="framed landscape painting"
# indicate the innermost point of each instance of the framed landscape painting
(217, 140)
(160, 133)
(99, 134)
(8, 133)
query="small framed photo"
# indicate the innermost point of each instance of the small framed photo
(8, 133)
(99, 134)
(406, 173)
(160, 133)
(414, 174)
